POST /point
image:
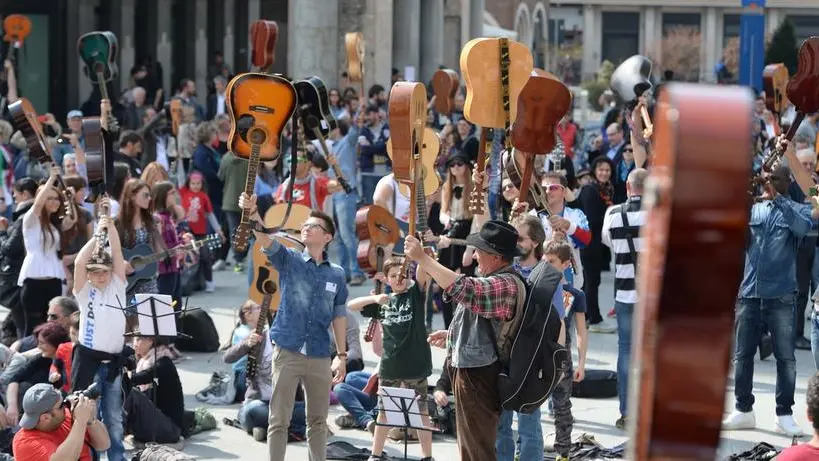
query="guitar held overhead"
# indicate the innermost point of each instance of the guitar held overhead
(430, 149)
(495, 70)
(445, 83)
(631, 80)
(98, 52)
(775, 82)
(17, 27)
(264, 35)
(99, 159)
(542, 103)
(354, 48)
(697, 211)
(376, 229)
(259, 106)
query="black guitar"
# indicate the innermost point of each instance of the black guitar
(98, 52)
(146, 263)
(314, 108)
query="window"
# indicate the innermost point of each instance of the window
(671, 20)
(804, 27)
(621, 36)
(730, 27)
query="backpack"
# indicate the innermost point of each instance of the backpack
(200, 330)
(532, 361)
(154, 452)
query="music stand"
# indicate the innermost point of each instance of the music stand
(157, 320)
(400, 407)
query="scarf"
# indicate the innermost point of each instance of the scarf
(149, 361)
(606, 192)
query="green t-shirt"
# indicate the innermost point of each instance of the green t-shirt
(406, 351)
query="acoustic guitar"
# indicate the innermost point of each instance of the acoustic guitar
(775, 81)
(98, 51)
(376, 228)
(354, 48)
(697, 211)
(495, 70)
(267, 288)
(264, 35)
(259, 106)
(25, 119)
(542, 103)
(445, 83)
(99, 159)
(145, 261)
(262, 269)
(430, 149)
(17, 27)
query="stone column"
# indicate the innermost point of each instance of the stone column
(476, 9)
(254, 13)
(379, 36)
(312, 36)
(228, 40)
(200, 67)
(163, 46)
(432, 38)
(709, 53)
(127, 53)
(650, 42)
(591, 41)
(406, 34)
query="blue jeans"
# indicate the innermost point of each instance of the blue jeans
(777, 314)
(357, 403)
(814, 336)
(346, 241)
(110, 412)
(625, 327)
(254, 414)
(368, 183)
(530, 434)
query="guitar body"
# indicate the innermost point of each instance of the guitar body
(408, 102)
(801, 88)
(696, 197)
(480, 66)
(775, 81)
(98, 51)
(430, 149)
(314, 107)
(257, 100)
(99, 158)
(264, 272)
(445, 82)
(25, 119)
(354, 48)
(376, 228)
(143, 271)
(542, 102)
(513, 167)
(263, 35)
(299, 214)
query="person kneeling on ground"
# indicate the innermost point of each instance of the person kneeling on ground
(50, 431)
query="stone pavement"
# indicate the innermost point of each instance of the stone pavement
(595, 417)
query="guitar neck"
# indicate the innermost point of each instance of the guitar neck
(250, 181)
(505, 99)
(103, 85)
(476, 199)
(342, 181)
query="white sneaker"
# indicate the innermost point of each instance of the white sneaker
(209, 288)
(787, 425)
(219, 265)
(738, 421)
(602, 327)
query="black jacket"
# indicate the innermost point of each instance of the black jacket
(12, 248)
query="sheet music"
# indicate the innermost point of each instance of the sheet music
(165, 318)
(391, 403)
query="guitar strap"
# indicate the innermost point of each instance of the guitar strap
(505, 100)
(291, 180)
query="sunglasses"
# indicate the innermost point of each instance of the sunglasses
(312, 225)
(554, 187)
(302, 160)
(454, 164)
(508, 186)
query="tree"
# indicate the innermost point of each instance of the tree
(783, 47)
(679, 51)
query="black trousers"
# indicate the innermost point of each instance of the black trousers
(591, 287)
(35, 296)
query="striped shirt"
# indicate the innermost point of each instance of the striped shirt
(615, 236)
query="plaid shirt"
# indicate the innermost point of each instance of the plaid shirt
(493, 297)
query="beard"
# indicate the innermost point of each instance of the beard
(526, 253)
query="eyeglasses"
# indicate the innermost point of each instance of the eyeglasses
(312, 225)
(302, 160)
(554, 187)
(454, 164)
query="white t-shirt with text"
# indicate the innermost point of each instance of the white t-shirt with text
(102, 320)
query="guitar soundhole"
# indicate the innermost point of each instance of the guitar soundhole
(257, 136)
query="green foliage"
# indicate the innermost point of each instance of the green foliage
(600, 84)
(783, 47)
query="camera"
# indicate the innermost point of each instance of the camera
(92, 392)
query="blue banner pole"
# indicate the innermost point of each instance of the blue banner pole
(752, 43)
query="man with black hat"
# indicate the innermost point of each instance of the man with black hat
(493, 297)
(51, 431)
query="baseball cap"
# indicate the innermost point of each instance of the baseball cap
(39, 400)
(74, 113)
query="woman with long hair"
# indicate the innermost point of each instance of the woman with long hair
(42, 273)
(153, 173)
(82, 230)
(138, 226)
(455, 216)
(164, 198)
(337, 107)
(595, 198)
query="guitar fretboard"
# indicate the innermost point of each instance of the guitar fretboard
(250, 182)
(505, 99)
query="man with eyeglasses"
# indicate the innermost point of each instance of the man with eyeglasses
(52, 431)
(60, 309)
(616, 141)
(314, 298)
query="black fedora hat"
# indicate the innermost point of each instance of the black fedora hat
(496, 237)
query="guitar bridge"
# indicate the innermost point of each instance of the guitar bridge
(262, 109)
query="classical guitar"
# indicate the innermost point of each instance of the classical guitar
(290, 227)
(264, 35)
(376, 228)
(25, 119)
(259, 106)
(98, 51)
(99, 159)
(354, 48)
(145, 261)
(542, 102)
(630, 81)
(17, 27)
(314, 112)
(407, 120)
(775, 81)
(697, 211)
(445, 83)
(495, 70)
(430, 149)
(267, 288)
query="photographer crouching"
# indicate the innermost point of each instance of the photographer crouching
(52, 432)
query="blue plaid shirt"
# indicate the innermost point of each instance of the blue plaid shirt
(313, 295)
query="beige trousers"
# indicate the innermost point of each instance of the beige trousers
(289, 368)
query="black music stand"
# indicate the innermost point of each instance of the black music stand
(401, 408)
(153, 310)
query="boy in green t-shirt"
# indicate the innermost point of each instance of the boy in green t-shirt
(406, 360)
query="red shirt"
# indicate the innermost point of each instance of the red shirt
(197, 207)
(567, 133)
(35, 445)
(301, 192)
(64, 352)
(804, 452)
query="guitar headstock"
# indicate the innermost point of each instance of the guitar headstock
(241, 238)
(17, 28)
(212, 241)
